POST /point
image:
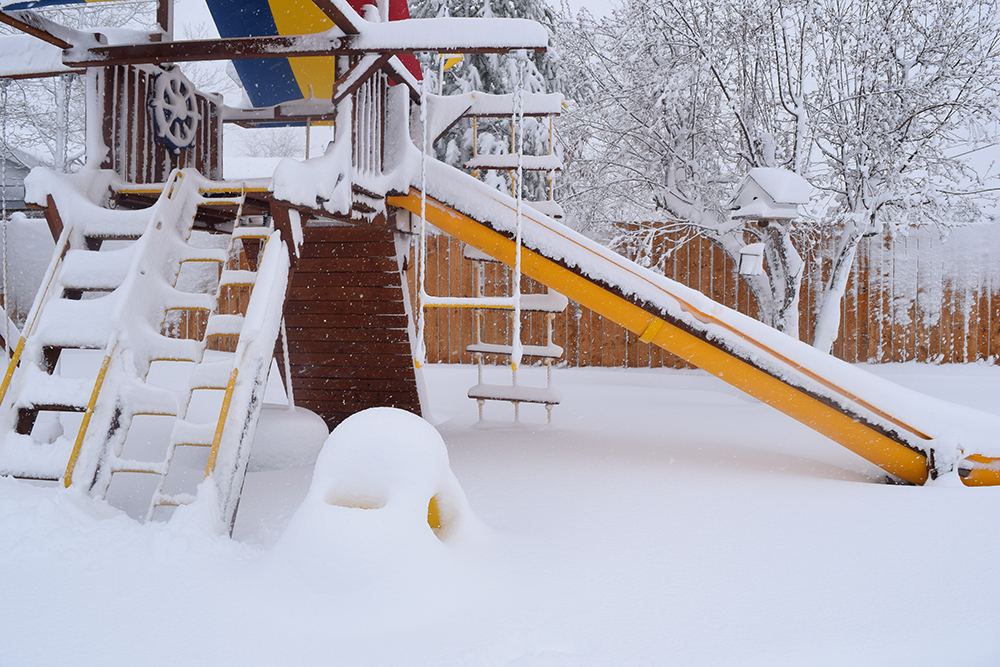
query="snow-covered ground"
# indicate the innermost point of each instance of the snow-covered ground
(663, 518)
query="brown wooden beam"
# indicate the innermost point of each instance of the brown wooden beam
(34, 27)
(358, 74)
(53, 218)
(239, 48)
(340, 18)
(43, 75)
(165, 18)
(234, 48)
(263, 120)
(283, 223)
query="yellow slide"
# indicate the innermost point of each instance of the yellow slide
(908, 435)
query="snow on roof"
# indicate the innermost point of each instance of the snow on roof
(781, 185)
(452, 34)
(769, 194)
(24, 54)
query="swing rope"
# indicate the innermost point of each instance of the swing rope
(420, 356)
(3, 218)
(517, 121)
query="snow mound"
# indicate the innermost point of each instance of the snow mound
(287, 438)
(383, 500)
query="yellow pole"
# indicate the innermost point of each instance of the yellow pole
(10, 368)
(71, 466)
(221, 426)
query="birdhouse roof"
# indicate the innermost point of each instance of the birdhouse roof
(781, 185)
(769, 193)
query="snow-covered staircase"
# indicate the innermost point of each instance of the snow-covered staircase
(120, 301)
(234, 381)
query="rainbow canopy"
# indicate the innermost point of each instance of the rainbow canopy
(270, 81)
(275, 80)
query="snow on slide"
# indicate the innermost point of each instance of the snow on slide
(908, 434)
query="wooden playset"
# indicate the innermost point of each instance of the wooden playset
(162, 264)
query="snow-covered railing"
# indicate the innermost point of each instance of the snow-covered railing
(369, 127)
(443, 111)
(245, 390)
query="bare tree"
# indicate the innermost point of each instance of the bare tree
(902, 86)
(869, 100)
(683, 97)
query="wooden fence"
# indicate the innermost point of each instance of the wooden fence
(913, 298)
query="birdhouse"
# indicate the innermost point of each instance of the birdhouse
(767, 194)
(752, 259)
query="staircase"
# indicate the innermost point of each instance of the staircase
(102, 386)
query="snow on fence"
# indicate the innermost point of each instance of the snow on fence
(919, 297)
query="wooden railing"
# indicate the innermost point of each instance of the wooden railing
(129, 130)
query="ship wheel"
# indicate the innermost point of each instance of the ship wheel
(175, 110)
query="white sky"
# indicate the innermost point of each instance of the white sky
(598, 8)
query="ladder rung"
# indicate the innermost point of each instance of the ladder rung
(224, 325)
(32, 478)
(55, 407)
(145, 467)
(238, 278)
(515, 394)
(221, 201)
(162, 499)
(217, 258)
(188, 434)
(211, 375)
(252, 232)
(551, 351)
(154, 413)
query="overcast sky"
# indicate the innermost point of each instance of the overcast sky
(598, 8)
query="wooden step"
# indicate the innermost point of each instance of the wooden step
(550, 351)
(515, 394)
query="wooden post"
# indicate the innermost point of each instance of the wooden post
(165, 19)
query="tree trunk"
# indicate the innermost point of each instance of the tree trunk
(786, 280)
(828, 319)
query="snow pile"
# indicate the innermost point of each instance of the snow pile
(383, 499)
(662, 519)
(286, 438)
(323, 183)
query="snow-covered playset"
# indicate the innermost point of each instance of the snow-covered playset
(171, 290)
(194, 340)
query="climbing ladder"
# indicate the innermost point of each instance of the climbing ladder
(515, 107)
(550, 303)
(122, 301)
(542, 107)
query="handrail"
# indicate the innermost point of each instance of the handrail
(85, 424)
(36, 309)
(221, 424)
